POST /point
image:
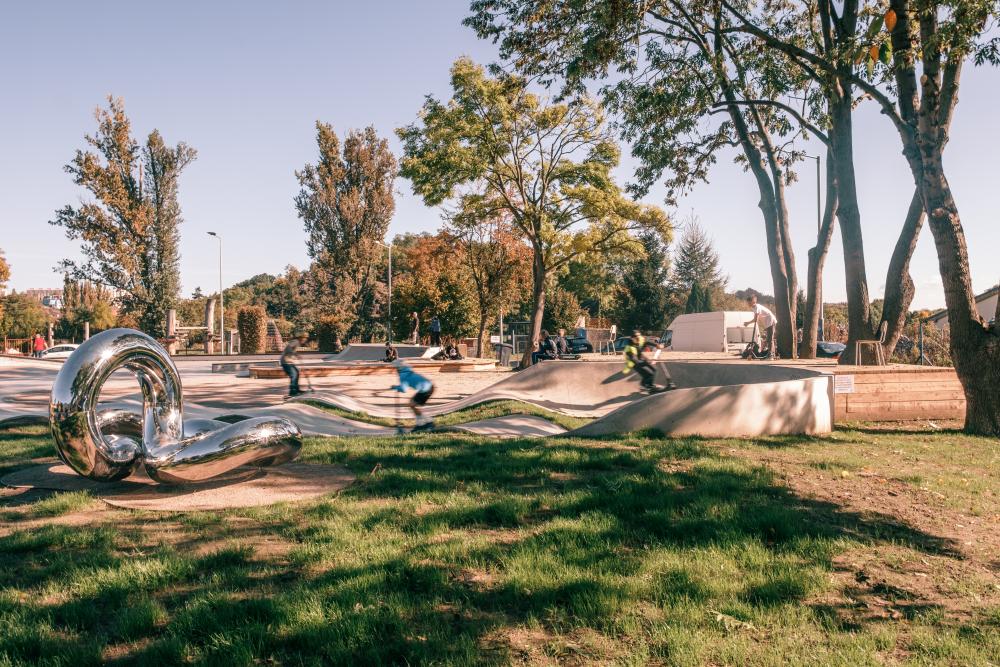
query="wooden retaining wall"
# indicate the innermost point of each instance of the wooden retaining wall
(896, 393)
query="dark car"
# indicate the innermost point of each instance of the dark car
(829, 350)
(579, 345)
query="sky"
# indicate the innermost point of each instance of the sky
(244, 83)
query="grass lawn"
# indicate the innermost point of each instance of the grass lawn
(864, 547)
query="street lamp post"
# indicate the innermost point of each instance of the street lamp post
(222, 303)
(819, 227)
(388, 324)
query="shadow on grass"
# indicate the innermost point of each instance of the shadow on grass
(452, 540)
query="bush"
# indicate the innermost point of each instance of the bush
(251, 321)
(326, 331)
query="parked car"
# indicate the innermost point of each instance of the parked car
(59, 351)
(579, 345)
(829, 350)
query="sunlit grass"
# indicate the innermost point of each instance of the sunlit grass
(459, 549)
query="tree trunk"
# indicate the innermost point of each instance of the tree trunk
(817, 259)
(859, 325)
(479, 336)
(975, 349)
(899, 287)
(788, 347)
(538, 275)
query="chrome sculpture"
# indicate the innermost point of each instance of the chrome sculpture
(109, 445)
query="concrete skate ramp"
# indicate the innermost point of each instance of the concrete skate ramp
(376, 352)
(587, 388)
(738, 410)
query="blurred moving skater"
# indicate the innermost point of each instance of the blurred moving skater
(288, 364)
(409, 379)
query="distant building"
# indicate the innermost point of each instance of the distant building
(39, 294)
(986, 303)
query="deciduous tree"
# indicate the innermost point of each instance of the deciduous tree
(675, 66)
(495, 146)
(131, 227)
(923, 46)
(497, 261)
(346, 203)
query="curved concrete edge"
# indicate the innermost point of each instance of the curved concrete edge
(745, 410)
(239, 488)
(513, 426)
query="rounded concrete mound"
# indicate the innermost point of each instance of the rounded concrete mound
(712, 399)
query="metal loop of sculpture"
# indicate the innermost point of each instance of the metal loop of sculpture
(110, 445)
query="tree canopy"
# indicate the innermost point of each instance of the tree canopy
(131, 228)
(495, 147)
(346, 203)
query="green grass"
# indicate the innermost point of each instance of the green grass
(488, 410)
(962, 470)
(456, 549)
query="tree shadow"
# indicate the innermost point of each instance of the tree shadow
(580, 519)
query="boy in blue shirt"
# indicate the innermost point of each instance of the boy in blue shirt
(409, 379)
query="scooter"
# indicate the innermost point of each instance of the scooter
(752, 350)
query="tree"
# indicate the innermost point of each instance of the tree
(130, 229)
(430, 279)
(676, 67)
(645, 297)
(699, 299)
(346, 203)
(497, 261)
(696, 261)
(923, 49)
(22, 316)
(497, 147)
(84, 302)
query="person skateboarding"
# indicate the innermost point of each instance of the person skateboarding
(409, 379)
(635, 360)
(288, 364)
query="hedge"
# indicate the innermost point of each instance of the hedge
(251, 321)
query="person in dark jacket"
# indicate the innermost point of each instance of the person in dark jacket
(289, 365)
(546, 349)
(435, 329)
(562, 345)
(390, 353)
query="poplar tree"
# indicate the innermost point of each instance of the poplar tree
(346, 203)
(130, 228)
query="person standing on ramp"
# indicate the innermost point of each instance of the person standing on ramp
(409, 379)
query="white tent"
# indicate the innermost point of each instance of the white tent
(710, 332)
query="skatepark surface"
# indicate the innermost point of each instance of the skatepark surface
(715, 398)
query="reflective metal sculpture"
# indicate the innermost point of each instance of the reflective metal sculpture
(110, 445)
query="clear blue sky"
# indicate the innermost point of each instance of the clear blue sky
(244, 82)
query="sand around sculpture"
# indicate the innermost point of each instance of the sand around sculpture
(242, 487)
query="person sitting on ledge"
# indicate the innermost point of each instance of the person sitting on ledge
(390, 353)
(338, 347)
(546, 349)
(448, 353)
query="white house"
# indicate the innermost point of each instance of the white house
(986, 303)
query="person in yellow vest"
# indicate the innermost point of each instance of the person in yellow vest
(635, 360)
